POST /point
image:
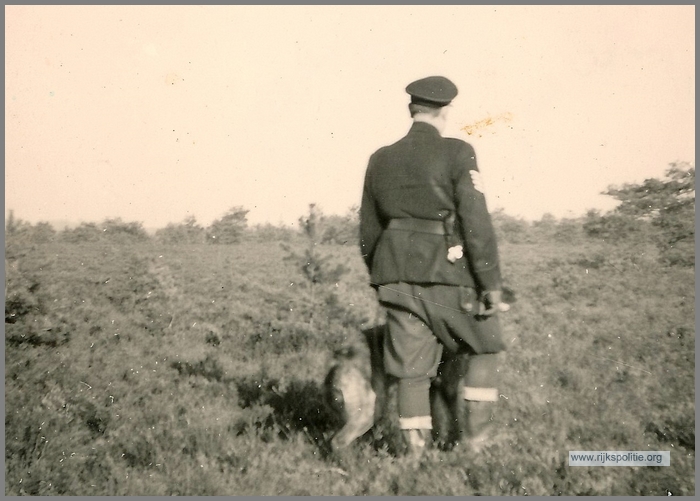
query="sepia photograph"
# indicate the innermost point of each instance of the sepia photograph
(349, 250)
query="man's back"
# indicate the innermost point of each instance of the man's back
(424, 176)
(414, 176)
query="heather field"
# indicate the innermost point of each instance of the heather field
(156, 369)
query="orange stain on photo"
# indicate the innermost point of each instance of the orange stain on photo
(482, 125)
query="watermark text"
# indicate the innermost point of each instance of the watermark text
(619, 458)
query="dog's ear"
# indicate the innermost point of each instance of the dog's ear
(375, 334)
(369, 333)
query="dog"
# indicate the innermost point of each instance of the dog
(357, 387)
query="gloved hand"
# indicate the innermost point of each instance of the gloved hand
(492, 303)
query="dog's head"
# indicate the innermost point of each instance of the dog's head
(346, 352)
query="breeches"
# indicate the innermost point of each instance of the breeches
(449, 312)
(412, 354)
(422, 321)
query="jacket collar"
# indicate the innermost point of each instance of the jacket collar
(423, 128)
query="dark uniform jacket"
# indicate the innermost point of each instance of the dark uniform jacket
(425, 176)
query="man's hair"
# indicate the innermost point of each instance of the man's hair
(416, 108)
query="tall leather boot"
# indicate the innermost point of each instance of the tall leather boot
(481, 395)
(480, 424)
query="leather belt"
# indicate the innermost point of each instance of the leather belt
(418, 225)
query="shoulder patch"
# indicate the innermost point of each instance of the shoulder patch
(477, 181)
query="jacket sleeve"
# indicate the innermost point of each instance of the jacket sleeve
(370, 223)
(475, 221)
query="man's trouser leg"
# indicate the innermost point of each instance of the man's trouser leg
(481, 394)
(412, 354)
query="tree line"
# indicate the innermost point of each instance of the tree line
(231, 228)
(656, 211)
(228, 229)
(659, 211)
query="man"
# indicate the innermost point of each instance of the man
(428, 242)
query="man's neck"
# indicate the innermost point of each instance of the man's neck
(436, 122)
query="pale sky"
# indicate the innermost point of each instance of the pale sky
(153, 114)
